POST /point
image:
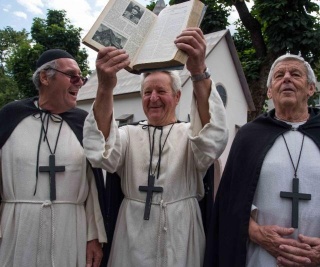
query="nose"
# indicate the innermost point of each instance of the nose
(287, 76)
(154, 96)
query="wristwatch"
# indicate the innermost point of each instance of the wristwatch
(199, 77)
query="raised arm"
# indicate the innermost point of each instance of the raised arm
(109, 61)
(192, 42)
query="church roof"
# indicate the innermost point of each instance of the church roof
(130, 83)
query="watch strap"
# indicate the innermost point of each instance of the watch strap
(199, 77)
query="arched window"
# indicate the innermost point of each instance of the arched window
(223, 93)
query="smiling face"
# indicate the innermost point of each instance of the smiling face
(158, 99)
(289, 88)
(57, 94)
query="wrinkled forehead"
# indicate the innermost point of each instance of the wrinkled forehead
(290, 65)
(157, 78)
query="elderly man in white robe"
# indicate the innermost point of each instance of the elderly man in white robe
(50, 213)
(266, 211)
(161, 161)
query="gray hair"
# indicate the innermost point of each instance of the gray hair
(310, 73)
(175, 80)
(50, 72)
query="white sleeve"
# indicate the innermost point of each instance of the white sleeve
(95, 223)
(101, 153)
(209, 141)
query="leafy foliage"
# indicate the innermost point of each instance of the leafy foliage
(216, 16)
(290, 26)
(151, 5)
(270, 29)
(55, 31)
(249, 60)
(10, 41)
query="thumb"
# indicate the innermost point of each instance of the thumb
(89, 260)
(283, 231)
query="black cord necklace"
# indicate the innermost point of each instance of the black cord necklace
(52, 168)
(295, 195)
(157, 167)
(150, 188)
(295, 168)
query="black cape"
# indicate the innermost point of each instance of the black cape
(13, 113)
(228, 233)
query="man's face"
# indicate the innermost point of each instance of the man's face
(158, 100)
(289, 86)
(134, 11)
(60, 93)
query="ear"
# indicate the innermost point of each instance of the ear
(178, 95)
(312, 89)
(44, 78)
(269, 93)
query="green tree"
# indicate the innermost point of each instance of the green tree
(274, 28)
(270, 29)
(151, 5)
(216, 16)
(10, 40)
(55, 31)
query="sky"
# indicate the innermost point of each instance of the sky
(19, 14)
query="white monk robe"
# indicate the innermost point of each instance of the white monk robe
(35, 233)
(174, 235)
(276, 175)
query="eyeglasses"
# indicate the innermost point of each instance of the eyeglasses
(74, 79)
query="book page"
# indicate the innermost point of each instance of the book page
(159, 45)
(122, 24)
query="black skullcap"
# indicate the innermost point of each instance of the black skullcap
(52, 54)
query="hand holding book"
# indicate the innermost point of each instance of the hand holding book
(149, 41)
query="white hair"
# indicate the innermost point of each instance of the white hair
(175, 80)
(310, 73)
(50, 72)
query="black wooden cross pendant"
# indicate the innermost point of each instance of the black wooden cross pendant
(296, 196)
(52, 169)
(149, 189)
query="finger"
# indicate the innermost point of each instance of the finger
(282, 231)
(97, 260)
(89, 262)
(112, 58)
(97, 263)
(289, 243)
(192, 40)
(104, 51)
(292, 260)
(89, 257)
(312, 241)
(192, 30)
(295, 250)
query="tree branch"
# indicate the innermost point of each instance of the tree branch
(253, 26)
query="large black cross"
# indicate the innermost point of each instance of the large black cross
(52, 169)
(149, 189)
(296, 196)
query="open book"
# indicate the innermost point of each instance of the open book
(146, 37)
